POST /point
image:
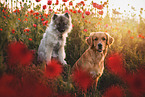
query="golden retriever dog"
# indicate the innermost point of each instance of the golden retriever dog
(92, 60)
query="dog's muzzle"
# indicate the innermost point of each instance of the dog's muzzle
(99, 47)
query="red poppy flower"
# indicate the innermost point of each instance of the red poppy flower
(45, 23)
(142, 37)
(31, 11)
(1, 29)
(71, 3)
(18, 53)
(129, 31)
(95, 5)
(44, 6)
(19, 19)
(64, 0)
(30, 39)
(79, 11)
(37, 0)
(5, 86)
(26, 30)
(131, 37)
(57, 2)
(115, 64)
(42, 19)
(114, 91)
(36, 13)
(13, 31)
(100, 12)
(82, 79)
(36, 17)
(136, 83)
(87, 12)
(85, 30)
(49, 2)
(25, 19)
(53, 69)
(34, 25)
(29, 85)
(67, 11)
(83, 15)
(74, 11)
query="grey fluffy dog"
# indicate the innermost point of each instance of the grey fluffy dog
(54, 39)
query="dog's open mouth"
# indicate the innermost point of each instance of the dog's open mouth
(99, 50)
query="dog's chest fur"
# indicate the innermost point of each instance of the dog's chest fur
(56, 46)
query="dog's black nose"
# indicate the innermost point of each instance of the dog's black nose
(100, 45)
(62, 30)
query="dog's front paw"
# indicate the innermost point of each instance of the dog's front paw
(64, 62)
(94, 74)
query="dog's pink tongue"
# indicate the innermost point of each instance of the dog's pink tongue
(100, 50)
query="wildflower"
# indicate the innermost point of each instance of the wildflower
(37, 0)
(106, 25)
(142, 37)
(5, 89)
(129, 31)
(114, 91)
(67, 11)
(85, 30)
(71, 3)
(131, 37)
(26, 30)
(115, 64)
(49, 2)
(36, 17)
(18, 53)
(82, 2)
(44, 6)
(83, 15)
(30, 39)
(95, 5)
(74, 11)
(4, 17)
(1, 29)
(100, 12)
(34, 25)
(26, 15)
(19, 19)
(13, 31)
(87, 12)
(139, 35)
(79, 11)
(64, 0)
(136, 83)
(53, 69)
(36, 13)
(25, 19)
(57, 2)
(42, 19)
(31, 11)
(82, 79)
(45, 23)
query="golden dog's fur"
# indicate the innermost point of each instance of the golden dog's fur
(92, 59)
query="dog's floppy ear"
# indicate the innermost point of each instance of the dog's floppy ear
(89, 40)
(66, 14)
(54, 16)
(109, 40)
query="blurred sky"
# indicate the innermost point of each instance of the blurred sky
(126, 7)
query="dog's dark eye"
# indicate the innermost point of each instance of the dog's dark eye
(96, 38)
(103, 39)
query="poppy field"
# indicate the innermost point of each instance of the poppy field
(22, 28)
